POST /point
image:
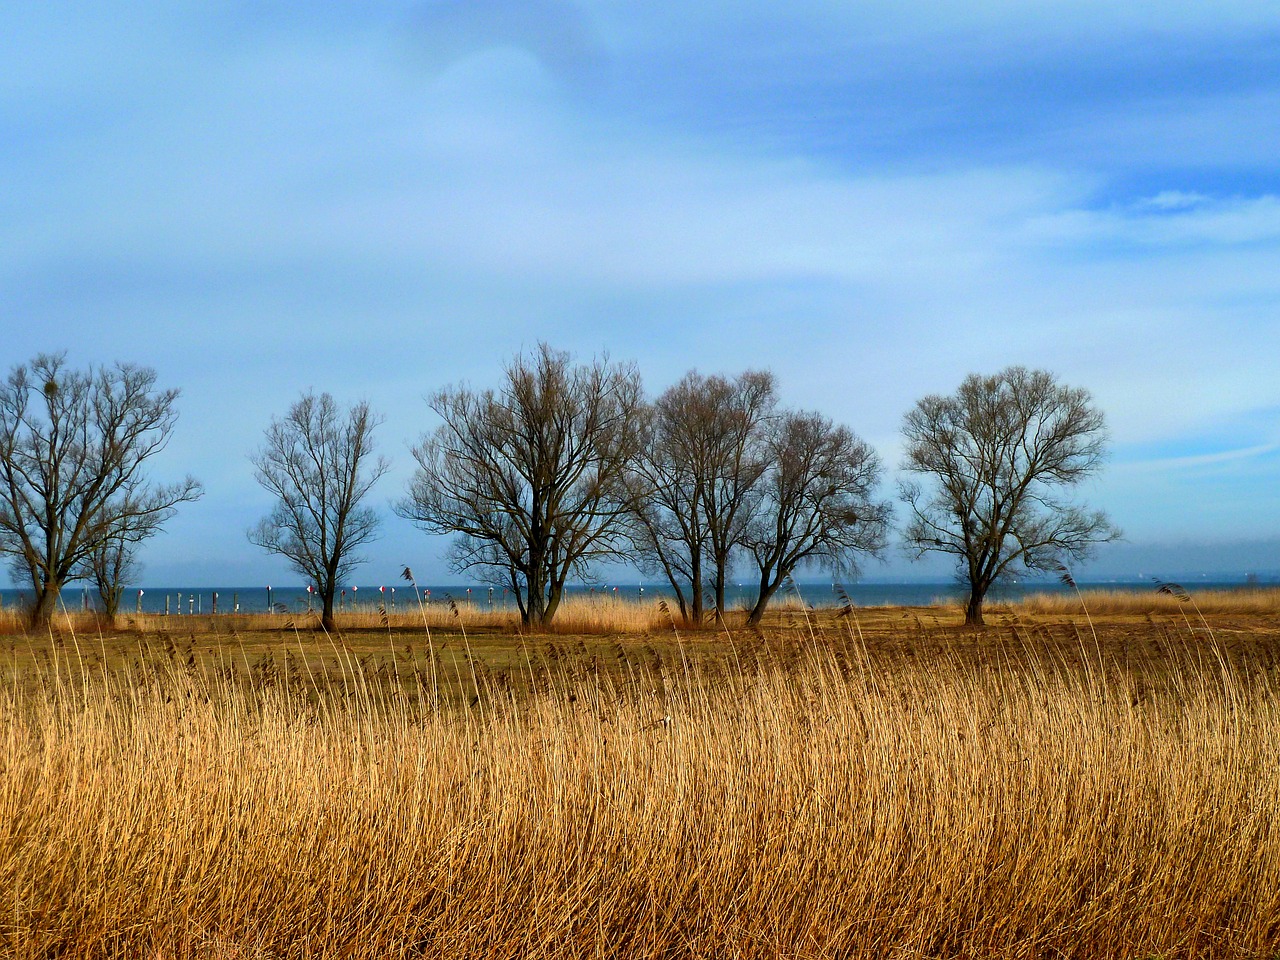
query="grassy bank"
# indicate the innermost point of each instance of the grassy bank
(812, 792)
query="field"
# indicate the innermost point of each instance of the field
(857, 783)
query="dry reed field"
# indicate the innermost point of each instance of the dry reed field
(857, 785)
(1245, 600)
(577, 615)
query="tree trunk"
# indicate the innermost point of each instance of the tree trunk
(326, 613)
(536, 614)
(681, 602)
(767, 591)
(46, 605)
(536, 588)
(553, 602)
(695, 588)
(973, 609)
(676, 587)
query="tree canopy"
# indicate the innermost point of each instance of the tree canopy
(531, 476)
(73, 445)
(817, 503)
(696, 480)
(993, 466)
(319, 464)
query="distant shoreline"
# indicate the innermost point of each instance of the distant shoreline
(204, 600)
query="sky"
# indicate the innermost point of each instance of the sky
(871, 199)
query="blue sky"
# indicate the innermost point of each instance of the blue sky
(872, 199)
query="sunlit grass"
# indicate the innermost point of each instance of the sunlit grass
(1244, 600)
(577, 614)
(805, 794)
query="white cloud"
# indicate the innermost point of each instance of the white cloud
(1173, 200)
(315, 209)
(1171, 218)
(1199, 460)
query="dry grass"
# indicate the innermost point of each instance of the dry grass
(813, 793)
(1246, 600)
(599, 615)
(14, 621)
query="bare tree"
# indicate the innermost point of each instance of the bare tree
(666, 496)
(739, 415)
(998, 453)
(817, 503)
(531, 477)
(72, 448)
(113, 563)
(699, 468)
(318, 462)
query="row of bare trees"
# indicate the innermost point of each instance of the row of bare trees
(561, 467)
(565, 465)
(723, 472)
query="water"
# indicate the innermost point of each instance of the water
(193, 600)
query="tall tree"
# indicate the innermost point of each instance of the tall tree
(998, 456)
(740, 415)
(817, 503)
(666, 496)
(532, 477)
(696, 479)
(73, 445)
(319, 464)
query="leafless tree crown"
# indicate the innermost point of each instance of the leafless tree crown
(318, 463)
(817, 503)
(72, 449)
(112, 564)
(532, 477)
(995, 460)
(696, 479)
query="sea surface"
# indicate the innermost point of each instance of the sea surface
(186, 600)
